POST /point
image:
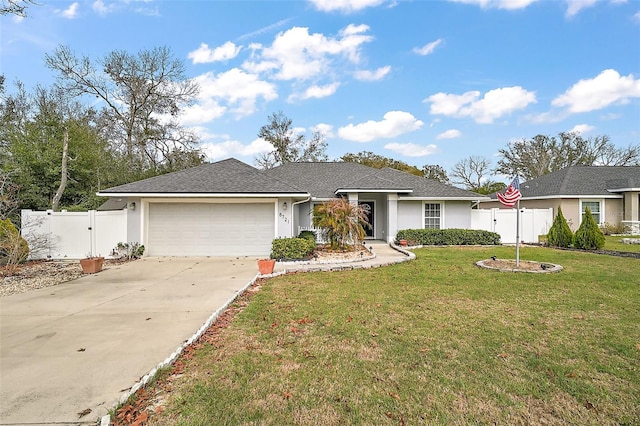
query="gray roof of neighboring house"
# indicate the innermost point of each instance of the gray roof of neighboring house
(581, 181)
(113, 203)
(322, 180)
(223, 177)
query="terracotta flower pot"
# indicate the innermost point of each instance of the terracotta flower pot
(403, 242)
(91, 265)
(265, 266)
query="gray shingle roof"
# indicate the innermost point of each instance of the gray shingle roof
(322, 180)
(223, 177)
(582, 180)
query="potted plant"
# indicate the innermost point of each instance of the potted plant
(265, 266)
(91, 264)
(403, 242)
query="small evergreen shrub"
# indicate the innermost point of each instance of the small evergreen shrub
(588, 236)
(292, 248)
(308, 235)
(13, 248)
(447, 237)
(560, 234)
(129, 251)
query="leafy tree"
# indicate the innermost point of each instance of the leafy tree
(33, 132)
(376, 161)
(341, 222)
(435, 172)
(545, 154)
(289, 146)
(15, 7)
(142, 97)
(560, 234)
(589, 236)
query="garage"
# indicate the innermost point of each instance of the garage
(210, 229)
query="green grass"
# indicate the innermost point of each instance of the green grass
(615, 243)
(433, 341)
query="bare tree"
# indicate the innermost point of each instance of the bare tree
(289, 146)
(471, 172)
(143, 96)
(9, 200)
(15, 7)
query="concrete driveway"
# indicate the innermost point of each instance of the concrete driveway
(82, 344)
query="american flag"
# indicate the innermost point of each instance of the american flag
(511, 195)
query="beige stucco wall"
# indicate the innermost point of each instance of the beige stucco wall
(613, 212)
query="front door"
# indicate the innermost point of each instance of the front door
(369, 207)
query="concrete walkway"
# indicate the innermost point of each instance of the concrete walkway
(80, 345)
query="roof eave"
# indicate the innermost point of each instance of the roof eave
(204, 194)
(383, 191)
(444, 199)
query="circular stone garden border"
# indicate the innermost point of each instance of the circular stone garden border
(509, 265)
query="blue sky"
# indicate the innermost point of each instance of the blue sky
(425, 82)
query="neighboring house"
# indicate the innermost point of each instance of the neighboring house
(612, 193)
(231, 208)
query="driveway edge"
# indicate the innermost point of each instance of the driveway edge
(106, 419)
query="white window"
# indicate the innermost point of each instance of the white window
(432, 215)
(596, 210)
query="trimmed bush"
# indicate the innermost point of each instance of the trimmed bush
(447, 237)
(308, 235)
(292, 248)
(588, 236)
(13, 248)
(560, 234)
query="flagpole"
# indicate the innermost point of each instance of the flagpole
(518, 235)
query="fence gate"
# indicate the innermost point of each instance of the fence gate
(533, 222)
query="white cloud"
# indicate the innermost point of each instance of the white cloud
(575, 6)
(316, 91)
(232, 148)
(204, 54)
(582, 128)
(494, 104)
(70, 12)
(344, 6)
(428, 48)
(449, 134)
(324, 129)
(394, 123)
(203, 112)
(101, 8)
(234, 90)
(605, 89)
(636, 17)
(411, 149)
(297, 55)
(378, 74)
(498, 4)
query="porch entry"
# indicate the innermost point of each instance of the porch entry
(369, 207)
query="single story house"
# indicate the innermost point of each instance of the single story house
(612, 193)
(231, 208)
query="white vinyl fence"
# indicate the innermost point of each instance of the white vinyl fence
(533, 222)
(73, 235)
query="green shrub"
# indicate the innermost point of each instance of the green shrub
(308, 235)
(447, 237)
(129, 251)
(13, 248)
(292, 248)
(560, 234)
(588, 236)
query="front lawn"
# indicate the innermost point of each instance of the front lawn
(433, 341)
(615, 243)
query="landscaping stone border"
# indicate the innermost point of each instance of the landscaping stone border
(550, 267)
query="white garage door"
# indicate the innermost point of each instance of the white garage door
(205, 229)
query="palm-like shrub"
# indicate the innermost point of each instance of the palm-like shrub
(560, 234)
(341, 222)
(589, 236)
